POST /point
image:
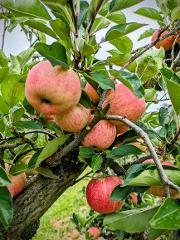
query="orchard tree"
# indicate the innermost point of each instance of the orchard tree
(62, 109)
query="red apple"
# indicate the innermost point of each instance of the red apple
(51, 90)
(166, 43)
(98, 194)
(134, 198)
(18, 184)
(91, 92)
(94, 232)
(74, 119)
(124, 102)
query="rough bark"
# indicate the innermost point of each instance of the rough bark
(38, 196)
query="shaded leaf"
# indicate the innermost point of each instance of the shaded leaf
(4, 180)
(86, 152)
(85, 100)
(6, 207)
(46, 172)
(27, 125)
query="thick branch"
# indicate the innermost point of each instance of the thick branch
(166, 182)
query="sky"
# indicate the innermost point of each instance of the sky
(15, 41)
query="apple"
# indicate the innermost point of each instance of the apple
(91, 92)
(101, 136)
(159, 191)
(51, 90)
(124, 102)
(74, 119)
(151, 161)
(166, 43)
(98, 193)
(134, 198)
(74, 234)
(94, 232)
(18, 184)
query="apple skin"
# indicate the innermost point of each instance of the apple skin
(94, 232)
(74, 119)
(134, 198)
(91, 92)
(98, 193)
(74, 234)
(101, 136)
(166, 43)
(151, 161)
(123, 102)
(18, 184)
(158, 191)
(51, 90)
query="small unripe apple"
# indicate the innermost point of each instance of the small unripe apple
(51, 90)
(101, 136)
(166, 43)
(98, 193)
(74, 119)
(91, 92)
(94, 232)
(74, 234)
(18, 184)
(124, 102)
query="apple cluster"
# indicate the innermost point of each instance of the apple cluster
(55, 92)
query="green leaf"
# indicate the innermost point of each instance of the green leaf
(117, 17)
(172, 83)
(25, 56)
(175, 14)
(164, 116)
(17, 113)
(86, 152)
(122, 151)
(150, 94)
(33, 8)
(130, 80)
(63, 31)
(123, 44)
(102, 77)
(147, 33)
(96, 162)
(121, 30)
(85, 100)
(151, 178)
(4, 180)
(3, 73)
(120, 193)
(121, 4)
(3, 59)
(6, 207)
(131, 221)
(18, 168)
(167, 216)
(83, 13)
(87, 49)
(118, 58)
(149, 13)
(55, 53)
(51, 147)
(46, 172)
(4, 108)
(38, 25)
(27, 125)
(12, 89)
(99, 24)
(147, 68)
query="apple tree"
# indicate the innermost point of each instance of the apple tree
(63, 109)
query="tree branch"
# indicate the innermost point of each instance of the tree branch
(166, 182)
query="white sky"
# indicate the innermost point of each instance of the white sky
(16, 42)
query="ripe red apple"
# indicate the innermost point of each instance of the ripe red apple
(74, 234)
(166, 43)
(18, 184)
(98, 194)
(51, 90)
(102, 135)
(151, 161)
(134, 198)
(74, 119)
(94, 232)
(91, 92)
(123, 102)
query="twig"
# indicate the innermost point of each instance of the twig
(166, 182)
(94, 15)
(3, 33)
(13, 145)
(41, 131)
(174, 60)
(79, 179)
(74, 17)
(148, 46)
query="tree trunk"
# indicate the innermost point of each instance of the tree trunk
(38, 196)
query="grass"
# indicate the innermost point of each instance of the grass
(56, 223)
